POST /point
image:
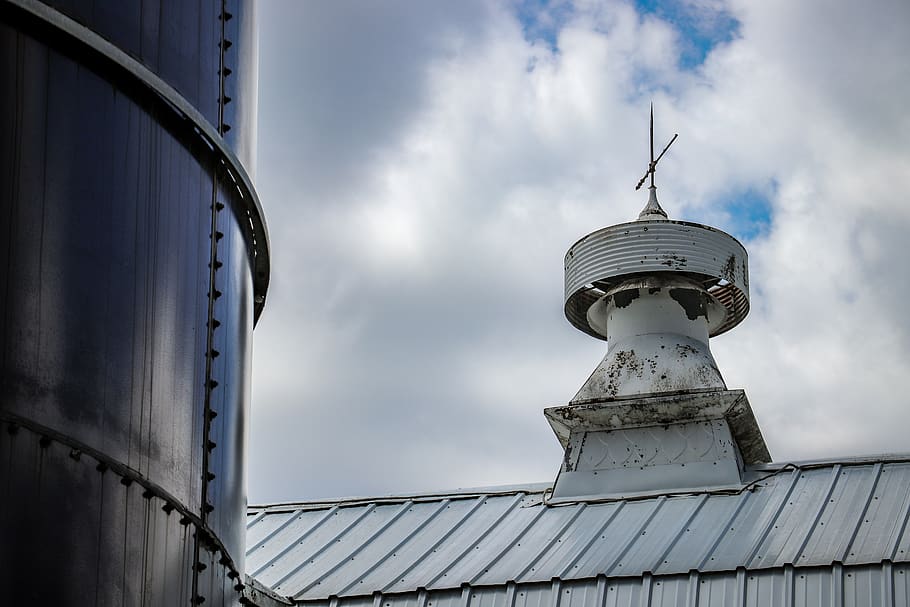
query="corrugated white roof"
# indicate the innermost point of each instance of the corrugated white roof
(851, 513)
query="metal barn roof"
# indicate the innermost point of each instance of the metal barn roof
(812, 525)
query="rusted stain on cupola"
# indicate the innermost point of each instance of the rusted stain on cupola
(690, 301)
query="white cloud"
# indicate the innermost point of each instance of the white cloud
(421, 200)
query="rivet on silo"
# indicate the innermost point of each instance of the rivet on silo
(76, 454)
(211, 445)
(168, 508)
(45, 441)
(126, 481)
(148, 494)
(12, 428)
(101, 467)
(185, 520)
(213, 383)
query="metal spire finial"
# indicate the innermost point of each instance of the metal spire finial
(653, 207)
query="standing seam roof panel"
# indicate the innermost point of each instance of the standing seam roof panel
(577, 564)
(463, 566)
(503, 553)
(881, 585)
(416, 554)
(662, 533)
(266, 528)
(279, 541)
(704, 534)
(663, 559)
(368, 578)
(783, 547)
(893, 491)
(445, 544)
(845, 510)
(305, 549)
(630, 525)
(573, 535)
(820, 511)
(528, 549)
(571, 515)
(740, 543)
(363, 561)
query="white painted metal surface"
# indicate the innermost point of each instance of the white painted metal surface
(656, 290)
(657, 339)
(692, 455)
(821, 521)
(657, 443)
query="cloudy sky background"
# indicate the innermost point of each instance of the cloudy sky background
(425, 165)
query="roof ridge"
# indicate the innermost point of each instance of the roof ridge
(543, 487)
(467, 493)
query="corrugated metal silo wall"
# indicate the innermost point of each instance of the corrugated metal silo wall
(133, 262)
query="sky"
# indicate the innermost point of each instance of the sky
(424, 166)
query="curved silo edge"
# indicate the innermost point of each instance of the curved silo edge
(135, 71)
(104, 463)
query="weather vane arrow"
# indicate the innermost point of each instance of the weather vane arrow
(653, 164)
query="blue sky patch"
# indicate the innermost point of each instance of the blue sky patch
(750, 213)
(745, 213)
(542, 19)
(700, 28)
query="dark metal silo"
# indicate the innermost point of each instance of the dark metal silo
(133, 265)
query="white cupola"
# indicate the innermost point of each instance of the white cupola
(655, 414)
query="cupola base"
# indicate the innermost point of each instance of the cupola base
(693, 440)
